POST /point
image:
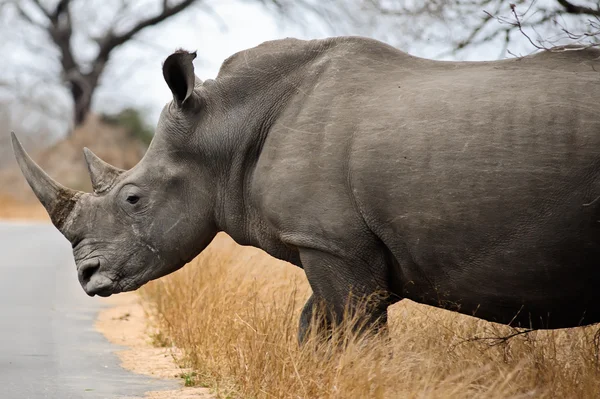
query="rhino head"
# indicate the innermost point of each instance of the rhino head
(143, 223)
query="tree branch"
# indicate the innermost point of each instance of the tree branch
(494, 341)
(61, 30)
(469, 40)
(110, 41)
(28, 17)
(571, 8)
(42, 8)
(516, 22)
(61, 8)
(519, 26)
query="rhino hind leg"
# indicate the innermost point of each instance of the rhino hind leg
(340, 292)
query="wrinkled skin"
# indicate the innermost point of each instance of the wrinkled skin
(468, 186)
(119, 246)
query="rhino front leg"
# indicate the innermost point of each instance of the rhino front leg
(335, 281)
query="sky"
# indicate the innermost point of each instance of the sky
(134, 76)
(248, 24)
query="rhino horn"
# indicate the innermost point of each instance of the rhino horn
(57, 199)
(102, 174)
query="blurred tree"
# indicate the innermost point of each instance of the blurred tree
(133, 122)
(82, 35)
(463, 25)
(82, 75)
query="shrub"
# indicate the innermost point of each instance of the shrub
(132, 121)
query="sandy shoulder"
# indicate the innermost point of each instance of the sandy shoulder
(125, 324)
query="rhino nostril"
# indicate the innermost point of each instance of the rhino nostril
(87, 270)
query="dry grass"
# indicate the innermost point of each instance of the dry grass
(234, 313)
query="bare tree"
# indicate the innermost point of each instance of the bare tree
(69, 44)
(464, 25)
(457, 28)
(83, 77)
(80, 36)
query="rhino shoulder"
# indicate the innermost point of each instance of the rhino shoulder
(294, 52)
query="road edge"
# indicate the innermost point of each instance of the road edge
(124, 322)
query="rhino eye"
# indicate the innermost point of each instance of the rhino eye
(132, 199)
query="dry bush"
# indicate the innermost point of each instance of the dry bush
(234, 313)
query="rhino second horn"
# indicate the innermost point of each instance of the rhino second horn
(102, 174)
(57, 199)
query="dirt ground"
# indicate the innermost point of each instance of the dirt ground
(125, 323)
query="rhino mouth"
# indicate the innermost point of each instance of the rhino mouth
(108, 289)
(97, 278)
(103, 294)
(100, 285)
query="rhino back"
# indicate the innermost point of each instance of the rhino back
(482, 181)
(480, 178)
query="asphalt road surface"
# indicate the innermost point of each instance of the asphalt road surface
(48, 346)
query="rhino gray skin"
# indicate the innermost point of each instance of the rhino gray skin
(471, 186)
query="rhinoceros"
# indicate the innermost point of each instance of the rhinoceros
(471, 186)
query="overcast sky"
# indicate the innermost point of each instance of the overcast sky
(248, 24)
(134, 77)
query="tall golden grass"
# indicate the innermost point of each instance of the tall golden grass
(234, 312)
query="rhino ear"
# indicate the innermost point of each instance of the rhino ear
(178, 71)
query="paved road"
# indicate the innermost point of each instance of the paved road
(48, 346)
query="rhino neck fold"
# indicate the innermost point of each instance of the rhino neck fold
(235, 210)
(259, 84)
